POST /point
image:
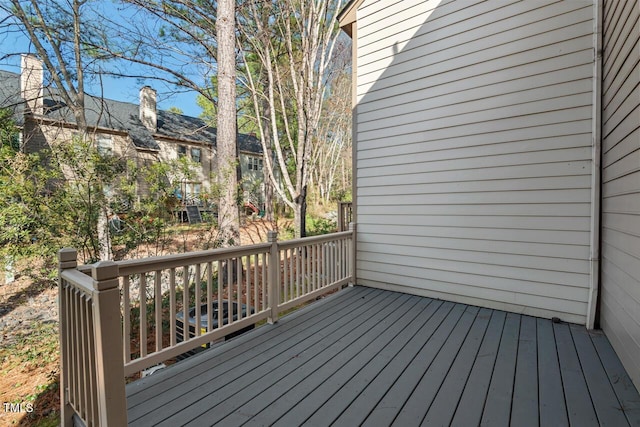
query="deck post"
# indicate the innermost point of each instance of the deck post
(112, 404)
(67, 259)
(273, 280)
(352, 253)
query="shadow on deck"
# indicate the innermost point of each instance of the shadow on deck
(373, 357)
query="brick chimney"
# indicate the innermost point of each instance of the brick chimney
(148, 114)
(31, 81)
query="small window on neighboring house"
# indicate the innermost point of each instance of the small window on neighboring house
(104, 144)
(182, 150)
(196, 155)
(255, 163)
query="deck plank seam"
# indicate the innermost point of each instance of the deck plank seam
(515, 370)
(564, 394)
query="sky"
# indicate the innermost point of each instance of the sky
(119, 89)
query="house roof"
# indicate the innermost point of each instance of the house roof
(9, 97)
(119, 116)
(347, 16)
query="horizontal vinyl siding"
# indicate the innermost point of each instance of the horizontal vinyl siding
(474, 152)
(620, 281)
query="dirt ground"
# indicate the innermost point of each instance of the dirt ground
(29, 356)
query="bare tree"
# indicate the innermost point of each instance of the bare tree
(296, 55)
(331, 165)
(60, 36)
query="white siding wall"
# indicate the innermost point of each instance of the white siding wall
(474, 151)
(620, 289)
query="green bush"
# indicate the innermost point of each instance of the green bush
(318, 226)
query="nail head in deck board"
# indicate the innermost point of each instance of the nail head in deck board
(367, 400)
(216, 406)
(604, 400)
(524, 408)
(497, 408)
(238, 351)
(552, 408)
(469, 411)
(366, 378)
(579, 404)
(386, 410)
(446, 401)
(626, 392)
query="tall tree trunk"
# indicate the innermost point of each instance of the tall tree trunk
(228, 210)
(268, 185)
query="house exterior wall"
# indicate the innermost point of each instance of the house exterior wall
(474, 152)
(252, 171)
(620, 277)
(202, 170)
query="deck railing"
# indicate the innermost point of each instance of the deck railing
(124, 317)
(345, 215)
(92, 373)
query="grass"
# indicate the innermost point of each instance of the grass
(30, 376)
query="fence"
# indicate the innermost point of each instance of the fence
(135, 314)
(345, 215)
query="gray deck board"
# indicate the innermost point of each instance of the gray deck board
(237, 352)
(281, 395)
(378, 368)
(320, 386)
(393, 401)
(603, 397)
(215, 372)
(425, 391)
(360, 408)
(618, 378)
(497, 409)
(552, 408)
(471, 404)
(524, 408)
(446, 401)
(577, 398)
(371, 357)
(253, 379)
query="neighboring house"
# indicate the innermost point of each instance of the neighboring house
(140, 132)
(497, 156)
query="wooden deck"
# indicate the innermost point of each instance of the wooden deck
(378, 358)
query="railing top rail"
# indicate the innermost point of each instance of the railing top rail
(323, 238)
(79, 280)
(143, 265)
